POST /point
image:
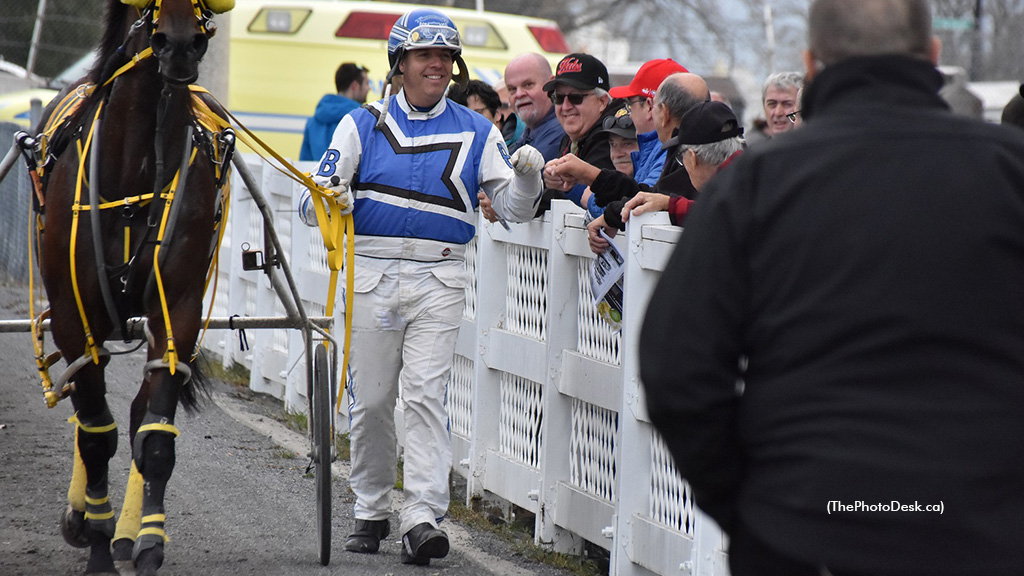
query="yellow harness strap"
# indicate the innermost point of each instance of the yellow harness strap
(92, 429)
(90, 342)
(335, 229)
(158, 427)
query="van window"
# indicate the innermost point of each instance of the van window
(279, 20)
(479, 34)
(369, 25)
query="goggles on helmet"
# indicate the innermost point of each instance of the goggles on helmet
(433, 36)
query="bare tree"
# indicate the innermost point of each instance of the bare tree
(983, 37)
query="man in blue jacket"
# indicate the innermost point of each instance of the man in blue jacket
(353, 85)
(408, 168)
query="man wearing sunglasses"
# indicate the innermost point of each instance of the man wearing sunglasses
(579, 92)
(649, 159)
(677, 93)
(408, 168)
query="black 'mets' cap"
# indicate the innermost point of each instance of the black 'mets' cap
(581, 71)
(705, 123)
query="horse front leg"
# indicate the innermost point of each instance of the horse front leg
(129, 522)
(89, 518)
(154, 457)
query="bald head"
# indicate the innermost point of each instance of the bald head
(531, 62)
(840, 29)
(677, 93)
(525, 76)
(681, 91)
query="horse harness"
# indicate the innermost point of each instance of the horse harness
(71, 125)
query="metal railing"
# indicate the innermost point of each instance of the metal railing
(545, 405)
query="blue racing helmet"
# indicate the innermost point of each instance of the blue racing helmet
(422, 28)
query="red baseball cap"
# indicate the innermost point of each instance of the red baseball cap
(648, 78)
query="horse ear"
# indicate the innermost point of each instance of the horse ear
(140, 4)
(220, 6)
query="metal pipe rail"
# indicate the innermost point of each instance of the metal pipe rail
(135, 329)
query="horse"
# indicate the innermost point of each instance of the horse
(130, 197)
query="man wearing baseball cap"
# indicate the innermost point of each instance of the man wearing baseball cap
(649, 160)
(708, 139)
(579, 92)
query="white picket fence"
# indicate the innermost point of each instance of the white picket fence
(546, 408)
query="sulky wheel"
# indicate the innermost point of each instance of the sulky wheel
(322, 450)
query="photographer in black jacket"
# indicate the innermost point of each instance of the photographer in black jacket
(835, 351)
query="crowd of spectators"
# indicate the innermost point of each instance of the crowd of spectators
(839, 322)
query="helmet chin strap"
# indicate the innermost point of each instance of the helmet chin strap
(462, 78)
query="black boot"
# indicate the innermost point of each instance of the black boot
(422, 543)
(367, 536)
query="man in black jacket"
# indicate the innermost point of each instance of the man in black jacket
(579, 92)
(835, 351)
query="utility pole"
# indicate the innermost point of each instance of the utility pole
(33, 48)
(769, 36)
(977, 60)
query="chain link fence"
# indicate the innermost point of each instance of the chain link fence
(46, 36)
(15, 197)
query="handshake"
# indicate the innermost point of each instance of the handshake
(339, 193)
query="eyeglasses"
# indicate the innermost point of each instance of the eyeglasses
(792, 116)
(624, 122)
(680, 155)
(636, 101)
(575, 99)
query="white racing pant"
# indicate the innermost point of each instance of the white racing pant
(406, 318)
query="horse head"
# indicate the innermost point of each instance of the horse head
(180, 33)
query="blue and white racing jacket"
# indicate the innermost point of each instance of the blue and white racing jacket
(415, 181)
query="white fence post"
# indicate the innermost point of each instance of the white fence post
(491, 285)
(555, 464)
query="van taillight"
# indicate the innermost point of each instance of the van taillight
(550, 39)
(371, 25)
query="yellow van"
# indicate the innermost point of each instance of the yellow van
(284, 54)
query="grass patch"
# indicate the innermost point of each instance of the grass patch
(343, 447)
(282, 454)
(235, 374)
(519, 534)
(296, 421)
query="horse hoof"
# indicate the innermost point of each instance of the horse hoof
(123, 550)
(149, 561)
(73, 528)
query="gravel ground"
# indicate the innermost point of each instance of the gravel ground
(239, 501)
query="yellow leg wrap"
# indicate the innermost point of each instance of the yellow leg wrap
(130, 521)
(76, 491)
(154, 532)
(153, 525)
